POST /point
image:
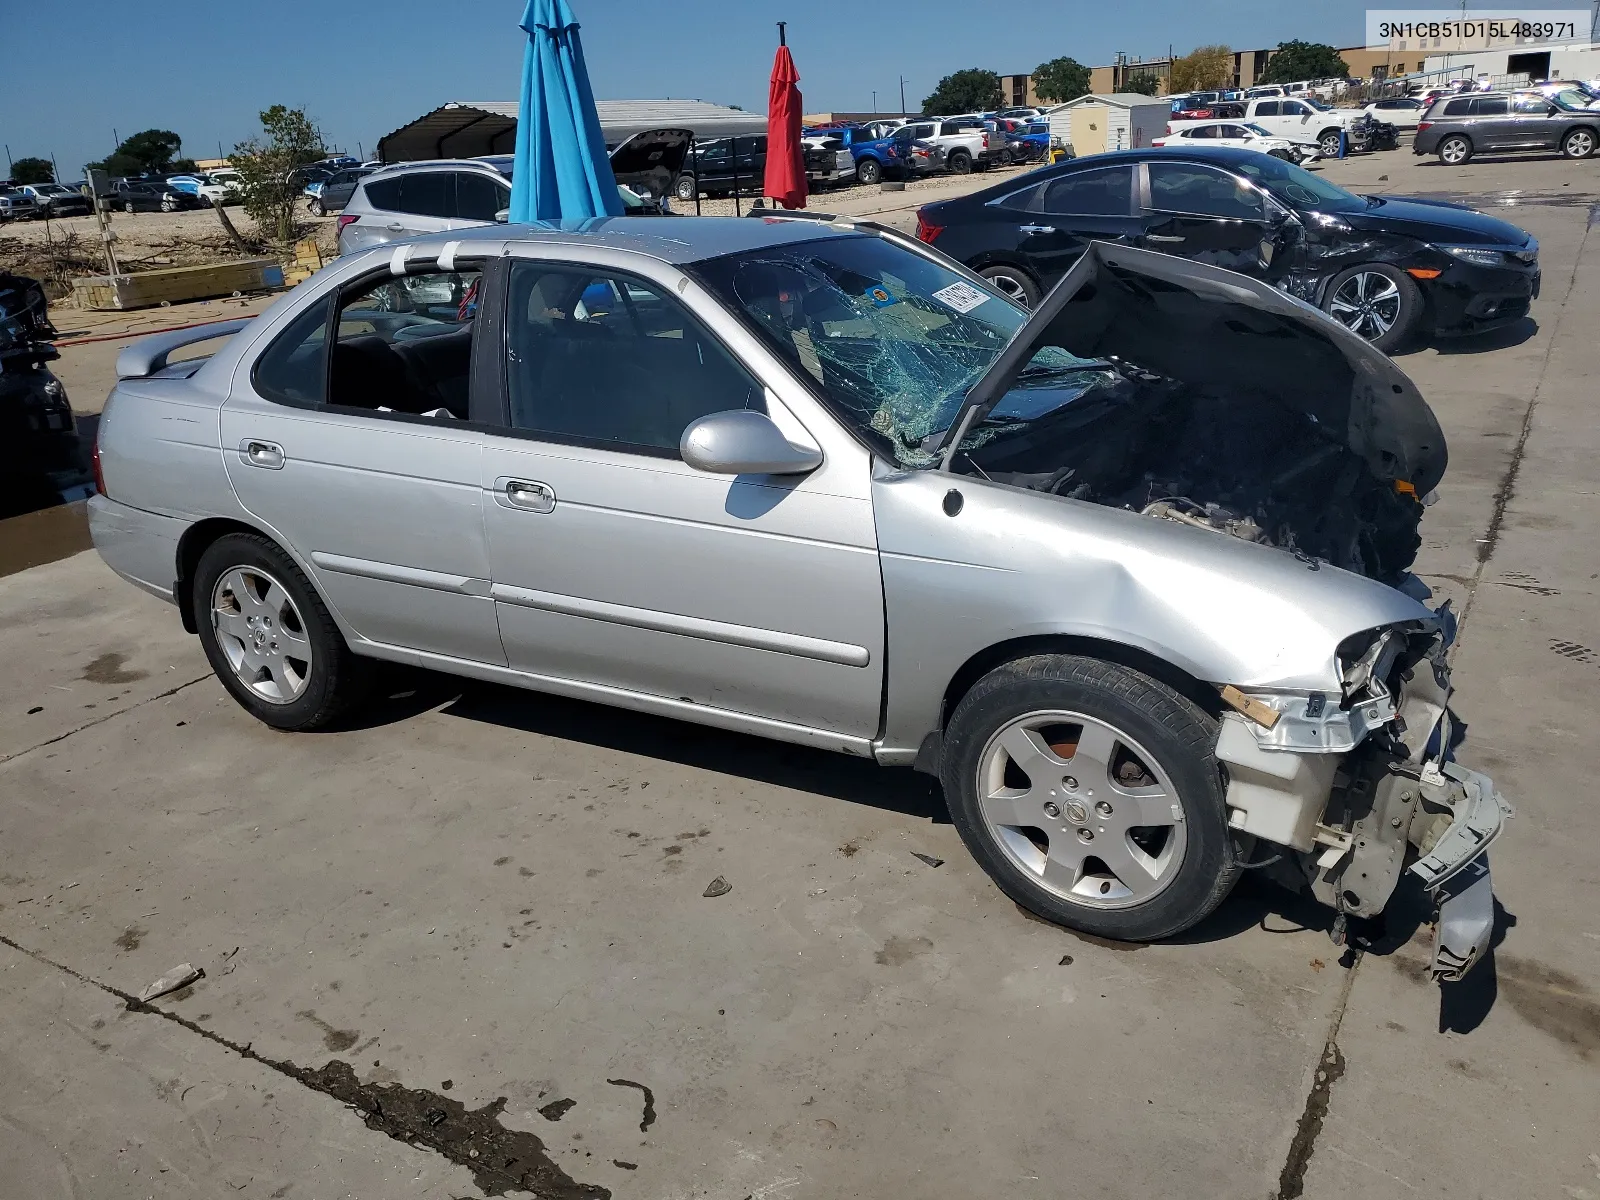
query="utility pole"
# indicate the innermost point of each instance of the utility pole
(8, 160)
(874, 101)
(902, 95)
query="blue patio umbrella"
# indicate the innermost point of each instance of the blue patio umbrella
(561, 170)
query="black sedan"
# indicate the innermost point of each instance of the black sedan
(132, 195)
(1387, 267)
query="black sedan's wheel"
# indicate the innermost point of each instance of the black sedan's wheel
(1580, 143)
(1091, 795)
(686, 188)
(168, 205)
(959, 162)
(269, 637)
(1455, 150)
(127, 206)
(315, 207)
(1379, 302)
(1013, 283)
(869, 171)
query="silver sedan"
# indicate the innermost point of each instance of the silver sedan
(1129, 574)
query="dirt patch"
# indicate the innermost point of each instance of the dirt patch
(557, 1109)
(130, 938)
(1552, 1001)
(108, 669)
(334, 1039)
(898, 951)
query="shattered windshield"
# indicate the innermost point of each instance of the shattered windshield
(894, 340)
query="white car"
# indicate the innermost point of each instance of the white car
(1238, 133)
(1403, 112)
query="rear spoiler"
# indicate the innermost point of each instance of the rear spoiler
(149, 355)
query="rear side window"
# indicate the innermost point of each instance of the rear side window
(1267, 108)
(294, 369)
(1490, 106)
(1106, 192)
(1458, 108)
(428, 194)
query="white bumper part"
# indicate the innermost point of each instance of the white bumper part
(1273, 794)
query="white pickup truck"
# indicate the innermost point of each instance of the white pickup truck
(964, 140)
(1296, 120)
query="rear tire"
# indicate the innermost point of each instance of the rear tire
(127, 206)
(1455, 150)
(1091, 795)
(959, 162)
(869, 171)
(315, 208)
(1014, 283)
(1580, 143)
(269, 637)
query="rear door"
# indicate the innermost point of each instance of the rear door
(352, 441)
(1198, 211)
(412, 203)
(1065, 214)
(1493, 126)
(617, 565)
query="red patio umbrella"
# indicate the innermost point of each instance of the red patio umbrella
(786, 165)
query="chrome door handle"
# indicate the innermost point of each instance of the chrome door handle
(262, 454)
(396, 227)
(527, 493)
(1037, 228)
(1162, 237)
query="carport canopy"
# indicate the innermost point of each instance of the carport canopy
(467, 130)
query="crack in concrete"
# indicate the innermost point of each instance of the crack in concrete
(103, 718)
(1330, 1069)
(501, 1160)
(1508, 481)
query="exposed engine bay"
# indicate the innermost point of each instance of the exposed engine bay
(1236, 462)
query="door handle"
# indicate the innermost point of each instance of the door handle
(262, 454)
(396, 227)
(528, 494)
(1037, 228)
(1162, 237)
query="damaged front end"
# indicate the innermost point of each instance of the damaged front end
(1362, 783)
(1193, 395)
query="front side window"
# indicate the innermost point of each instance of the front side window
(1189, 188)
(600, 359)
(893, 341)
(403, 345)
(1293, 108)
(1535, 106)
(1105, 192)
(479, 196)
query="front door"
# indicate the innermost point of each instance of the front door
(1532, 126)
(1197, 211)
(356, 451)
(616, 564)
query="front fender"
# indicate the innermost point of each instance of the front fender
(1012, 563)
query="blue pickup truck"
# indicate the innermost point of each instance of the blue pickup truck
(882, 150)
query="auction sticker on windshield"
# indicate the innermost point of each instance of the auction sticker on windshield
(962, 297)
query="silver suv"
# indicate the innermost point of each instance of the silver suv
(409, 199)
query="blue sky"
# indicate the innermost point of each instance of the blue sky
(74, 70)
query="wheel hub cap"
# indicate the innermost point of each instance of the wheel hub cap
(260, 632)
(1116, 841)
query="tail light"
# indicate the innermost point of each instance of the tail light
(927, 231)
(1422, 126)
(986, 141)
(345, 220)
(1169, 128)
(94, 465)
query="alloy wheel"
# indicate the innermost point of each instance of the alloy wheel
(1580, 144)
(1368, 303)
(1081, 807)
(1010, 287)
(1453, 151)
(261, 632)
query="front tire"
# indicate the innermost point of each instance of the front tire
(1455, 151)
(1580, 143)
(169, 205)
(869, 171)
(1014, 283)
(1328, 143)
(269, 637)
(1091, 795)
(1376, 301)
(686, 189)
(316, 209)
(127, 206)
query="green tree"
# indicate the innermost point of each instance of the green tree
(1146, 83)
(971, 90)
(1304, 60)
(268, 169)
(153, 149)
(32, 170)
(1202, 69)
(1060, 80)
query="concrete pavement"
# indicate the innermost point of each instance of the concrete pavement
(478, 893)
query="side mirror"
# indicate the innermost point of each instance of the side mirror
(744, 442)
(503, 215)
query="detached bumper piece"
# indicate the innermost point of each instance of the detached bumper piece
(1456, 868)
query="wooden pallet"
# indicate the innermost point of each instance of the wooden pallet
(170, 285)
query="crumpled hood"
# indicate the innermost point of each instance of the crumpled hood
(1435, 221)
(1217, 329)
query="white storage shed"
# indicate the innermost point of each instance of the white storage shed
(1118, 121)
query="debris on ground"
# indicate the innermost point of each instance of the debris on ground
(557, 1109)
(929, 859)
(180, 976)
(1066, 961)
(717, 887)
